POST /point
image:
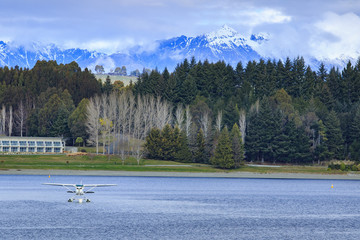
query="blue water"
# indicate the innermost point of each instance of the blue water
(180, 208)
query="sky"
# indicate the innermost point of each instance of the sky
(322, 28)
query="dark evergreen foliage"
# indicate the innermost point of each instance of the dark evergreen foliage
(304, 114)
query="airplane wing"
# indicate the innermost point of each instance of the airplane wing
(99, 185)
(92, 186)
(60, 184)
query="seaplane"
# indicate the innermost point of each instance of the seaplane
(79, 190)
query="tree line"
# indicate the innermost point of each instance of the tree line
(284, 111)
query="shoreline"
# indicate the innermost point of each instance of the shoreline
(348, 176)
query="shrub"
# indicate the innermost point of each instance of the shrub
(354, 168)
(342, 166)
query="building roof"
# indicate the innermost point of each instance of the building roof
(31, 138)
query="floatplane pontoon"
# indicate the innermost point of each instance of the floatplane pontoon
(79, 190)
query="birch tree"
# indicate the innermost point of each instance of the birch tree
(10, 123)
(179, 115)
(188, 121)
(137, 118)
(163, 113)
(114, 117)
(131, 101)
(20, 117)
(242, 124)
(205, 123)
(218, 123)
(3, 118)
(93, 120)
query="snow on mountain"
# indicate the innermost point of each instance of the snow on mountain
(12, 54)
(224, 44)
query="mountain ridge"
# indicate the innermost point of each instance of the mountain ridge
(223, 44)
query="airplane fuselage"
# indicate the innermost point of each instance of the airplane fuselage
(79, 190)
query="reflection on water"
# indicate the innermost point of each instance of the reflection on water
(180, 208)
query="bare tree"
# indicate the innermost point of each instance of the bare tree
(93, 120)
(123, 141)
(205, 123)
(137, 118)
(148, 113)
(218, 123)
(3, 118)
(21, 116)
(113, 115)
(106, 123)
(131, 100)
(188, 121)
(11, 121)
(179, 115)
(242, 124)
(138, 154)
(124, 120)
(163, 113)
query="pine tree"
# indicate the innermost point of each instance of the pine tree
(153, 144)
(335, 142)
(200, 155)
(77, 120)
(168, 146)
(223, 157)
(183, 153)
(237, 146)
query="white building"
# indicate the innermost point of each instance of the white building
(31, 145)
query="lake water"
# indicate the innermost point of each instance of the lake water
(180, 208)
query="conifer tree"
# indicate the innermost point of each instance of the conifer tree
(183, 153)
(200, 155)
(153, 143)
(334, 136)
(168, 144)
(237, 146)
(223, 157)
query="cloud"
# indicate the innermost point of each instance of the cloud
(264, 16)
(336, 35)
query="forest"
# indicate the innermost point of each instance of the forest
(264, 111)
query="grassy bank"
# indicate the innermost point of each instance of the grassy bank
(96, 162)
(115, 163)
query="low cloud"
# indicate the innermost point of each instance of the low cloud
(336, 36)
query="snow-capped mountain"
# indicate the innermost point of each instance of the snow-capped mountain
(11, 55)
(223, 44)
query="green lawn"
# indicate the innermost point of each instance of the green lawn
(101, 162)
(96, 162)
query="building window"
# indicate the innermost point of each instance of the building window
(14, 143)
(5, 149)
(48, 144)
(57, 150)
(31, 143)
(57, 144)
(14, 149)
(22, 143)
(6, 143)
(40, 149)
(22, 149)
(48, 149)
(40, 143)
(31, 149)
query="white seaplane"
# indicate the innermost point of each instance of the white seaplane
(79, 190)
